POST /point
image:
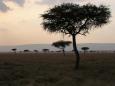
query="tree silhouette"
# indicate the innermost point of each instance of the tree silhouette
(36, 51)
(14, 50)
(45, 50)
(75, 19)
(26, 50)
(61, 45)
(85, 49)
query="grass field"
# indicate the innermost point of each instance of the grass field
(53, 69)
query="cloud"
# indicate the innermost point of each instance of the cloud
(55, 2)
(19, 2)
(5, 8)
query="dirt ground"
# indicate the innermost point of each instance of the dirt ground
(54, 69)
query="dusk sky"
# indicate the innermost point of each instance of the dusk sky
(20, 23)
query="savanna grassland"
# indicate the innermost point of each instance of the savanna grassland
(53, 69)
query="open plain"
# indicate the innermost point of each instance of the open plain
(54, 69)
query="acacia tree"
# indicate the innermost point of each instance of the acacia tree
(61, 45)
(74, 19)
(36, 51)
(14, 50)
(85, 49)
(45, 50)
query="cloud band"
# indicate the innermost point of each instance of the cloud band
(5, 8)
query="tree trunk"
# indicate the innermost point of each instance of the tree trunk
(63, 50)
(76, 52)
(84, 52)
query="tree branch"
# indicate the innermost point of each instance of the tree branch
(82, 34)
(82, 26)
(63, 31)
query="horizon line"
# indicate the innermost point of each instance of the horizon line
(50, 44)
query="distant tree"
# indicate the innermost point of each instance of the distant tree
(14, 50)
(75, 19)
(85, 49)
(61, 45)
(26, 50)
(45, 50)
(36, 51)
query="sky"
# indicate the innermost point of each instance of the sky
(20, 23)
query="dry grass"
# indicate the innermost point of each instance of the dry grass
(53, 69)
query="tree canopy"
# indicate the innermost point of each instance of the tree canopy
(85, 48)
(61, 44)
(75, 19)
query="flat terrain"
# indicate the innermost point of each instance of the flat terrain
(53, 69)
